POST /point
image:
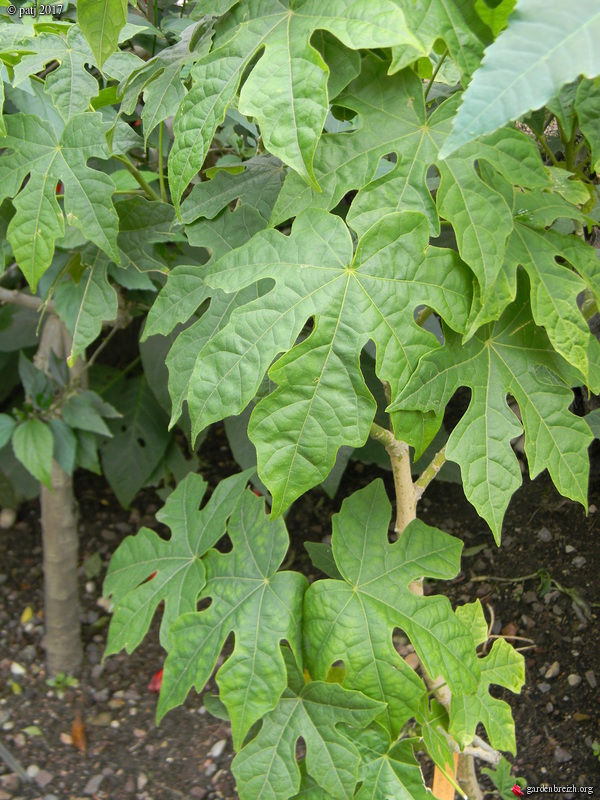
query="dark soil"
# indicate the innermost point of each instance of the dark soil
(188, 756)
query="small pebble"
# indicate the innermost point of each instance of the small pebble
(561, 755)
(210, 769)
(591, 678)
(557, 610)
(17, 669)
(549, 708)
(43, 778)
(530, 596)
(552, 670)
(569, 548)
(527, 622)
(93, 784)
(544, 535)
(32, 770)
(198, 792)
(8, 517)
(592, 509)
(217, 749)
(544, 687)
(142, 780)
(578, 562)
(573, 680)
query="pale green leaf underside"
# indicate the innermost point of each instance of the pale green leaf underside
(544, 46)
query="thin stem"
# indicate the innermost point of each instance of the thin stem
(544, 145)
(429, 473)
(161, 173)
(435, 72)
(133, 170)
(399, 453)
(116, 327)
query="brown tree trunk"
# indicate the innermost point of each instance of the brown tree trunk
(61, 594)
(60, 540)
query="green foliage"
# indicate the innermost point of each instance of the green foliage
(543, 47)
(177, 572)
(319, 226)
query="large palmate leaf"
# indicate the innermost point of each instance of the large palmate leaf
(543, 47)
(393, 119)
(70, 85)
(286, 90)
(259, 605)
(455, 21)
(186, 291)
(388, 769)
(354, 297)
(176, 566)
(160, 78)
(266, 768)
(33, 149)
(503, 666)
(511, 356)
(353, 619)
(101, 22)
(555, 287)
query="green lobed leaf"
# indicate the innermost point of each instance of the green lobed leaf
(70, 85)
(388, 769)
(393, 119)
(509, 356)
(160, 78)
(543, 47)
(33, 149)
(370, 294)
(259, 605)
(286, 90)
(33, 445)
(266, 768)
(503, 666)
(353, 620)
(101, 22)
(456, 22)
(587, 106)
(179, 574)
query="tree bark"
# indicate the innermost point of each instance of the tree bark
(61, 593)
(60, 540)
